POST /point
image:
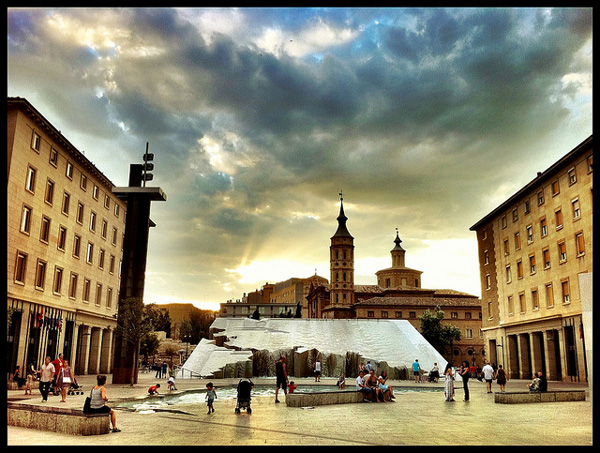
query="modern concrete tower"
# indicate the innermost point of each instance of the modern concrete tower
(341, 259)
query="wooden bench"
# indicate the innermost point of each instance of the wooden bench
(57, 419)
(551, 396)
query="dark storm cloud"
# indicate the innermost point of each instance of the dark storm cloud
(414, 110)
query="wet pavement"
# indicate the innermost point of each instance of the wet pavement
(415, 418)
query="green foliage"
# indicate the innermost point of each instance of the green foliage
(196, 327)
(435, 332)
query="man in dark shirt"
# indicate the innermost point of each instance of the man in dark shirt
(282, 377)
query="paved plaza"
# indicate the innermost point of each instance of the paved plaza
(415, 418)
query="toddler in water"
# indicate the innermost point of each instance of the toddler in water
(211, 394)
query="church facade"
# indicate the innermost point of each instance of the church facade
(397, 295)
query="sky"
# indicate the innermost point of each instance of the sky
(426, 119)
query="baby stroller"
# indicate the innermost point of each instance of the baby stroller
(75, 388)
(243, 396)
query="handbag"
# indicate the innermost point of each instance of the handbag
(66, 380)
(88, 402)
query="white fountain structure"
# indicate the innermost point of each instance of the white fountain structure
(244, 347)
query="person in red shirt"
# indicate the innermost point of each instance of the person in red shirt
(153, 390)
(58, 363)
(292, 387)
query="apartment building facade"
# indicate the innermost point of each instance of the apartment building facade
(533, 248)
(64, 248)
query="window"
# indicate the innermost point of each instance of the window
(36, 141)
(26, 220)
(590, 161)
(522, 306)
(58, 275)
(562, 252)
(454, 315)
(370, 314)
(559, 218)
(546, 258)
(517, 241)
(69, 170)
(101, 260)
(510, 305)
(106, 201)
(529, 229)
(98, 294)
(89, 256)
(540, 197)
(412, 315)
(535, 300)
(503, 221)
(86, 290)
(564, 286)
(555, 188)
(384, 314)
(49, 192)
(572, 176)
(65, 204)
(543, 227)
(576, 209)
(398, 314)
(527, 207)
(468, 315)
(53, 157)
(580, 244)
(30, 180)
(114, 236)
(80, 209)
(76, 246)
(532, 264)
(549, 295)
(515, 215)
(93, 221)
(111, 266)
(62, 238)
(486, 257)
(104, 229)
(83, 182)
(489, 309)
(95, 192)
(116, 210)
(508, 274)
(40, 274)
(469, 334)
(506, 247)
(519, 269)
(73, 286)
(45, 230)
(20, 267)
(109, 292)
(488, 282)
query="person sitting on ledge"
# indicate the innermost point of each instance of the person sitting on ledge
(434, 373)
(543, 385)
(534, 386)
(360, 384)
(341, 383)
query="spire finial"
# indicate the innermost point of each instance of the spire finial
(341, 195)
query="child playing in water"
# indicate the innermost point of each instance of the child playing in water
(211, 394)
(292, 387)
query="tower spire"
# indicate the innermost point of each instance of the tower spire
(342, 230)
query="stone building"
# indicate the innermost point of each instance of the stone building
(64, 248)
(397, 295)
(534, 250)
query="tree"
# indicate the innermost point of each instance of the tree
(134, 322)
(436, 333)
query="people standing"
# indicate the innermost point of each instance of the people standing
(64, 380)
(416, 370)
(281, 377)
(47, 372)
(465, 373)
(318, 371)
(488, 375)
(98, 402)
(448, 382)
(501, 378)
(58, 365)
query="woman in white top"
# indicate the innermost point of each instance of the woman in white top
(98, 402)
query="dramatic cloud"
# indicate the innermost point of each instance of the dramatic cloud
(426, 118)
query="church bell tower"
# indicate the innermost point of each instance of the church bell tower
(341, 261)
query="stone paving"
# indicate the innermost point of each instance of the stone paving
(416, 418)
